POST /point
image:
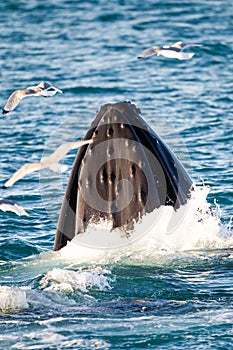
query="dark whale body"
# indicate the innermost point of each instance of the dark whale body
(126, 172)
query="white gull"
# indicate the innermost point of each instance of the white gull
(173, 51)
(51, 162)
(13, 206)
(44, 89)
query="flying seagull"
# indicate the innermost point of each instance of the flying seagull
(51, 162)
(173, 51)
(9, 205)
(43, 89)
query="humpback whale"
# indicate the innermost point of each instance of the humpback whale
(126, 172)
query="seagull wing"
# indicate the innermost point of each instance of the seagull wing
(9, 205)
(180, 45)
(15, 98)
(54, 89)
(50, 92)
(149, 52)
(24, 170)
(20, 210)
(184, 45)
(44, 85)
(62, 150)
(81, 143)
(58, 90)
(47, 89)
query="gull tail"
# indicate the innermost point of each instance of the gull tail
(185, 55)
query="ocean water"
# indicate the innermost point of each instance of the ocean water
(169, 289)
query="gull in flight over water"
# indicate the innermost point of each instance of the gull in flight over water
(51, 162)
(43, 89)
(173, 51)
(9, 205)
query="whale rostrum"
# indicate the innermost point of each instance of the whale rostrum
(126, 172)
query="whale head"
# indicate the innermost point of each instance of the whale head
(126, 172)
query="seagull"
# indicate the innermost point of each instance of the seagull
(51, 162)
(43, 89)
(173, 51)
(9, 205)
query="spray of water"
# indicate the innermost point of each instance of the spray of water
(193, 226)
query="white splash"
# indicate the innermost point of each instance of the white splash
(12, 298)
(55, 287)
(160, 235)
(192, 226)
(64, 280)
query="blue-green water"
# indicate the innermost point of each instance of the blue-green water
(174, 291)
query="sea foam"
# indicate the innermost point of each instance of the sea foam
(194, 225)
(12, 298)
(65, 280)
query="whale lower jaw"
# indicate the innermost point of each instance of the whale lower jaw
(126, 172)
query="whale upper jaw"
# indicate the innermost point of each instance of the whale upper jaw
(126, 172)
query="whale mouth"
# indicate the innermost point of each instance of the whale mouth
(126, 172)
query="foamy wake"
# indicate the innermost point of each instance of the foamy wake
(193, 226)
(163, 232)
(13, 298)
(55, 287)
(70, 281)
(52, 339)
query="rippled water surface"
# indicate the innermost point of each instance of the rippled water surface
(173, 291)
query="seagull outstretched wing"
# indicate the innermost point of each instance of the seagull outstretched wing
(149, 52)
(15, 98)
(180, 45)
(62, 150)
(24, 170)
(51, 162)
